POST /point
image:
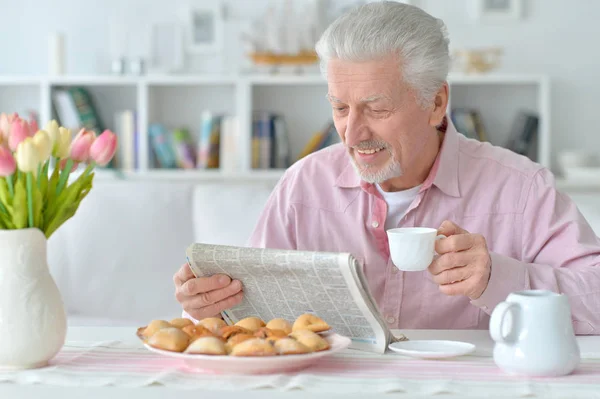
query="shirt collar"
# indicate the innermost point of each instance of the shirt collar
(443, 173)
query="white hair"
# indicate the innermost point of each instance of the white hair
(377, 30)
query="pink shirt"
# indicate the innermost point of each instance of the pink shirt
(536, 236)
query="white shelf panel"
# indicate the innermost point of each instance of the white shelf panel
(95, 80)
(182, 80)
(271, 175)
(505, 79)
(19, 81)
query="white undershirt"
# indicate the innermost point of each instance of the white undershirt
(398, 203)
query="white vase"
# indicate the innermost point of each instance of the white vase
(33, 322)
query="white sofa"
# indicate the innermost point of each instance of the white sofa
(114, 260)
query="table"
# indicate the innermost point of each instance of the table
(481, 359)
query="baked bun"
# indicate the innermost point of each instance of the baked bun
(236, 339)
(229, 331)
(251, 323)
(310, 322)
(197, 331)
(289, 346)
(310, 339)
(181, 322)
(207, 346)
(280, 324)
(170, 339)
(253, 347)
(152, 328)
(265, 332)
(214, 324)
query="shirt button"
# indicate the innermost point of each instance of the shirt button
(390, 320)
(375, 224)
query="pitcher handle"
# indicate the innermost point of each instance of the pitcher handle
(497, 322)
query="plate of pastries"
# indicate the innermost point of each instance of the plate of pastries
(250, 346)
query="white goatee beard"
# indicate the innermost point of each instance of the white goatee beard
(368, 174)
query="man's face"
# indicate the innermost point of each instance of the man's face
(377, 117)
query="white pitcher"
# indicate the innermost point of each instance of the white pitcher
(534, 334)
(33, 322)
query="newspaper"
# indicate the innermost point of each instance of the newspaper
(287, 283)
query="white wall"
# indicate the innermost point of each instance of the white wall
(556, 37)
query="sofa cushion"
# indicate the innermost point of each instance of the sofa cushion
(115, 259)
(226, 213)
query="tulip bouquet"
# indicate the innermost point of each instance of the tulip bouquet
(31, 196)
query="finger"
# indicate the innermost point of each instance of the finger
(449, 228)
(449, 261)
(460, 288)
(205, 299)
(205, 284)
(455, 243)
(215, 308)
(452, 276)
(183, 274)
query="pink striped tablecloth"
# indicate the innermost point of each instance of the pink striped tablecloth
(118, 364)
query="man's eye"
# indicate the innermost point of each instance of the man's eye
(339, 109)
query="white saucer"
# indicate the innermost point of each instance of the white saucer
(432, 349)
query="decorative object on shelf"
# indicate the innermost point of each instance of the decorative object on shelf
(166, 48)
(206, 28)
(496, 11)
(137, 66)
(278, 38)
(476, 61)
(117, 66)
(56, 54)
(33, 205)
(581, 165)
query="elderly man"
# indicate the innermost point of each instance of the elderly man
(402, 163)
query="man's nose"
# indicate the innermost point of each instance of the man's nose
(356, 128)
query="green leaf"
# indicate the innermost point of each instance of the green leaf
(19, 214)
(51, 193)
(68, 202)
(43, 181)
(38, 204)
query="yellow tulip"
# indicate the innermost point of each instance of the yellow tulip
(27, 156)
(43, 144)
(63, 144)
(52, 129)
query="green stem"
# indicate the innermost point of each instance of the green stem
(89, 168)
(3, 209)
(30, 197)
(64, 176)
(9, 182)
(39, 173)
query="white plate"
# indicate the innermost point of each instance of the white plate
(258, 364)
(432, 349)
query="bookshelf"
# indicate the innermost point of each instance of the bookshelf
(180, 100)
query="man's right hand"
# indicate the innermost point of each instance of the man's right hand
(205, 296)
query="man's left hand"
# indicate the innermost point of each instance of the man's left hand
(463, 266)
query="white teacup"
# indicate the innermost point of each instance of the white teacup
(412, 248)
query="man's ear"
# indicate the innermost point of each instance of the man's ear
(440, 103)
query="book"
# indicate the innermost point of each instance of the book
(281, 283)
(523, 134)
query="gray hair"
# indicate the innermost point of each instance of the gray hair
(380, 29)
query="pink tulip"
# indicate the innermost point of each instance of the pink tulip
(8, 165)
(4, 127)
(19, 131)
(104, 148)
(80, 147)
(63, 163)
(33, 127)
